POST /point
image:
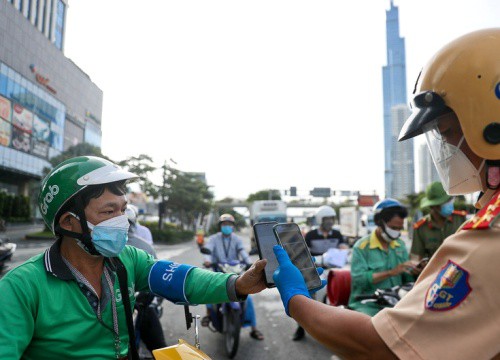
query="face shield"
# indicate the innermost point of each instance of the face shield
(458, 174)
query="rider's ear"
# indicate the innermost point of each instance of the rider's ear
(68, 222)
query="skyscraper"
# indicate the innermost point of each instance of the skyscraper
(403, 173)
(427, 170)
(394, 91)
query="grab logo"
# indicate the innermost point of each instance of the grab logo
(53, 191)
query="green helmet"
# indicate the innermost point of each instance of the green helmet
(70, 177)
(434, 195)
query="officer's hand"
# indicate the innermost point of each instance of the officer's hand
(288, 278)
(252, 281)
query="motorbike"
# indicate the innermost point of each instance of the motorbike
(227, 318)
(387, 297)
(7, 249)
(145, 302)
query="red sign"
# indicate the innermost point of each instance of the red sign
(42, 79)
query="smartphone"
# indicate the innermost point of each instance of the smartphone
(293, 242)
(266, 239)
(422, 263)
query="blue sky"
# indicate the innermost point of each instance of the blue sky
(260, 94)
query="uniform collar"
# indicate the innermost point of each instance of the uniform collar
(432, 223)
(375, 242)
(54, 263)
(486, 198)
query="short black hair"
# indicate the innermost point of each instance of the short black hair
(387, 214)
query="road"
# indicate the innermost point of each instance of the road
(271, 318)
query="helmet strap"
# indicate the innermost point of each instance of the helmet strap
(493, 174)
(84, 237)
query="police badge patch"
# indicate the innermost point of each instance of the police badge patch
(450, 288)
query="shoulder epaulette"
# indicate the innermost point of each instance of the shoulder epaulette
(484, 218)
(460, 212)
(419, 223)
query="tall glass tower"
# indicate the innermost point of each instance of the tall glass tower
(394, 83)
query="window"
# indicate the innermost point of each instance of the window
(60, 24)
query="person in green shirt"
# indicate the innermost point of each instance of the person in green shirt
(380, 260)
(441, 222)
(66, 303)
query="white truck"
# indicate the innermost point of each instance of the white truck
(263, 211)
(356, 222)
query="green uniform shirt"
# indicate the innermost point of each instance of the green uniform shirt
(369, 257)
(45, 315)
(428, 236)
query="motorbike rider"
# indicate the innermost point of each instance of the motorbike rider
(321, 239)
(66, 303)
(452, 310)
(148, 319)
(226, 246)
(441, 221)
(380, 260)
(139, 229)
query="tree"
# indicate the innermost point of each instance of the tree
(270, 194)
(185, 196)
(81, 149)
(142, 166)
(412, 202)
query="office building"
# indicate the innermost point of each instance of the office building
(47, 103)
(427, 170)
(394, 94)
(403, 173)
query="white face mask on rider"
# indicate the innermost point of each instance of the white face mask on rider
(389, 234)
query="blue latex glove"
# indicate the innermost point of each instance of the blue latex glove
(289, 279)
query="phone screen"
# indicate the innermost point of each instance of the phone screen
(266, 239)
(294, 244)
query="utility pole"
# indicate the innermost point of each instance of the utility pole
(161, 209)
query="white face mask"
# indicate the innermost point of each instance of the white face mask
(390, 234)
(458, 174)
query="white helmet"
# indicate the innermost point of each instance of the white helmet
(324, 211)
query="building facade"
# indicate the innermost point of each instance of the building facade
(394, 94)
(47, 103)
(403, 172)
(427, 170)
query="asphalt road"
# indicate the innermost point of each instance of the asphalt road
(271, 318)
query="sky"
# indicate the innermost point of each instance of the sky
(256, 94)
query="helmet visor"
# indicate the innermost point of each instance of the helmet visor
(426, 107)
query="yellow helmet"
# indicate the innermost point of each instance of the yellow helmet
(181, 351)
(463, 77)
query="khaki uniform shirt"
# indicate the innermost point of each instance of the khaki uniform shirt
(428, 236)
(453, 311)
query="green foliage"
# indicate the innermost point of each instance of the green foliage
(270, 194)
(14, 208)
(186, 195)
(81, 149)
(142, 166)
(412, 203)
(170, 234)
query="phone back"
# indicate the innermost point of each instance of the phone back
(294, 244)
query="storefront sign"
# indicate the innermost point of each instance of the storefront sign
(92, 116)
(22, 118)
(39, 148)
(20, 140)
(42, 80)
(5, 132)
(41, 129)
(5, 109)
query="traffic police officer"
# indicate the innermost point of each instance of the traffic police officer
(442, 221)
(452, 312)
